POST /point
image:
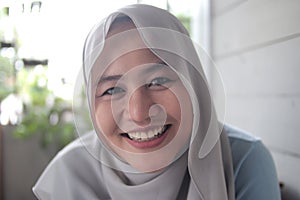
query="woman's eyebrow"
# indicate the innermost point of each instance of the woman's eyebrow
(154, 67)
(109, 78)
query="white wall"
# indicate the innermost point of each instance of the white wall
(256, 46)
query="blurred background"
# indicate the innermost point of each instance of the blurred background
(255, 45)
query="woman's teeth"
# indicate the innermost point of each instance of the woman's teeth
(146, 136)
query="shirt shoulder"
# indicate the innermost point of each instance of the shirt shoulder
(241, 142)
(254, 169)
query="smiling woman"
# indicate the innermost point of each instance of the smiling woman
(141, 98)
(155, 130)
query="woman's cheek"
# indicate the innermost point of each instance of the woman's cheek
(104, 118)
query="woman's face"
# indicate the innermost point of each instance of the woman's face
(141, 104)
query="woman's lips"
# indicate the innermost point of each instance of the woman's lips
(149, 139)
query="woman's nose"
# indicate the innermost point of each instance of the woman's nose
(139, 105)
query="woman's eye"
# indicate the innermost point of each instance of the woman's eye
(113, 91)
(160, 81)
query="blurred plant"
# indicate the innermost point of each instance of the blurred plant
(25, 98)
(185, 20)
(6, 77)
(43, 113)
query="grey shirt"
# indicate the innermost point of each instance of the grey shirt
(254, 170)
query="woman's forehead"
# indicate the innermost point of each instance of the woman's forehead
(123, 48)
(130, 60)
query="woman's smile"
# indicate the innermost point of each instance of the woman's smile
(148, 138)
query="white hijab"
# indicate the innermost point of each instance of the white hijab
(202, 170)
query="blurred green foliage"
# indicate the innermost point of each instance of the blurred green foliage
(6, 77)
(44, 113)
(185, 20)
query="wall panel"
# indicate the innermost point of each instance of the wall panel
(254, 23)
